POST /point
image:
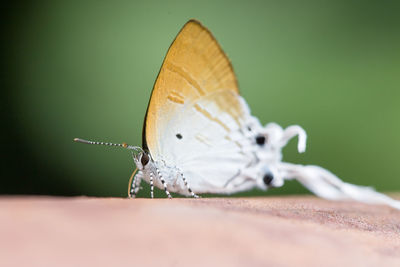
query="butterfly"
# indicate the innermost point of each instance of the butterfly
(200, 137)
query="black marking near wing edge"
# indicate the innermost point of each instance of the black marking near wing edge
(260, 140)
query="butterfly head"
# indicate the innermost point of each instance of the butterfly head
(141, 158)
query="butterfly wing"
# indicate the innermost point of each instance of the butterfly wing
(194, 66)
(195, 115)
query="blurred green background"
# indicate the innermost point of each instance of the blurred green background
(86, 69)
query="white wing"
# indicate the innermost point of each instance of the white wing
(195, 114)
(207, 143)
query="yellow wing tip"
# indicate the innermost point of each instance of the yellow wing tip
(196, 22)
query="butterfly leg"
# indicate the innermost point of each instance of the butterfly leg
(132, 193)
(188, 187)
(133, 190)
(135, 184)
(164, 184)
(151, 185)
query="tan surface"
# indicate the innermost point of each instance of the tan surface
(288, 231)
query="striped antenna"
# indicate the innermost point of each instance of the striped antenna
(124, 145)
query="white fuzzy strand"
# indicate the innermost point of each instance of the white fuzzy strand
(325, 184)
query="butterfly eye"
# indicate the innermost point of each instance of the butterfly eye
(268, 177)
(144, 159)
(179, 136)
(260, 140)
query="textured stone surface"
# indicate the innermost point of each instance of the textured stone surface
(270, 231)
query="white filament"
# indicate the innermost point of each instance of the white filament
(318, 180)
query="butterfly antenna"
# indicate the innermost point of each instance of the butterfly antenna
(124, 145)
